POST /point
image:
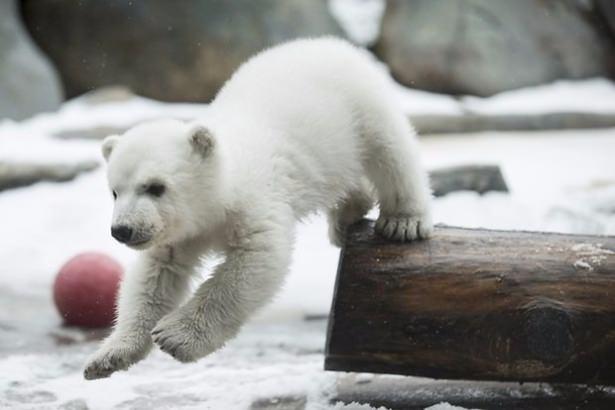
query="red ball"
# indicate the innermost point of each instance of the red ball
(85, 290)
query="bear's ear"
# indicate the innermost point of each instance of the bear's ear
(202, 140)
(107, 146)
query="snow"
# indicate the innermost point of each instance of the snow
(551, 175)
(78, 114)
(590, 255)
(582, 264)
(266, 361)
(445, 406)
(561, 181)
(596, 95)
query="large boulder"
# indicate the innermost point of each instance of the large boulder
(483, 47)
(28, 83)
(606, 8)
(168, 50)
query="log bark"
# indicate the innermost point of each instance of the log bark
(453, 124)
(476, 304)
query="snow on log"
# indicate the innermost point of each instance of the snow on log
(476, 304)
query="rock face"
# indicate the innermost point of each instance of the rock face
(173, 51)
(28, 83)
(607, 9)
(15, 175)
(482, 47)
(477, 178)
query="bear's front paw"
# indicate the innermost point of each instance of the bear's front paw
(405, 228)
(112, 357)
(179, 335)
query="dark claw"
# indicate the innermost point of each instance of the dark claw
(90, 374)
(159, 339)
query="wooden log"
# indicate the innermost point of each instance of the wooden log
(454, 124)
(476, 304)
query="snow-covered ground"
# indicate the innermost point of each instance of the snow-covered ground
(560, 181)
(595, 95)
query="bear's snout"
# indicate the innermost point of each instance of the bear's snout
(122, 233)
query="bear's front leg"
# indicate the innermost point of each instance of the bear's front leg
(149, 291)
(251, 274)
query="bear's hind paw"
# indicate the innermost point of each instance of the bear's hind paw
(404, 228)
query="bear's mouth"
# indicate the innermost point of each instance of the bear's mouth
(139, 243)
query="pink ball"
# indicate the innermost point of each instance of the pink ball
(85, 290)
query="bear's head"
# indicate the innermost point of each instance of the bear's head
(164, 177)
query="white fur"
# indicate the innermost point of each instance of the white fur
(306, 126)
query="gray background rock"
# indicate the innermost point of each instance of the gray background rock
(28, 83)
(606, 8)
(173, 51)
(483, 47)
(20, 174)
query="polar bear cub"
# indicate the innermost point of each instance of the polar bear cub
(307, 126)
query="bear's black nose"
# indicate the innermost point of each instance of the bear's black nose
(122, 233)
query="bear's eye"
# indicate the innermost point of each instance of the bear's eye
(114, 194)
(155, 189)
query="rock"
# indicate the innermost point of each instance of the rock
(14, 175)
(456, 124)
(90, 133)
(28, 83)
(76, 404)
(606, 8)
(165, 50)
(477, 178)
(280, 403)
(483, 47)
(162, 401)
(397, 392)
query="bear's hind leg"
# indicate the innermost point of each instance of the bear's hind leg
(402, 186)
(350, 210)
